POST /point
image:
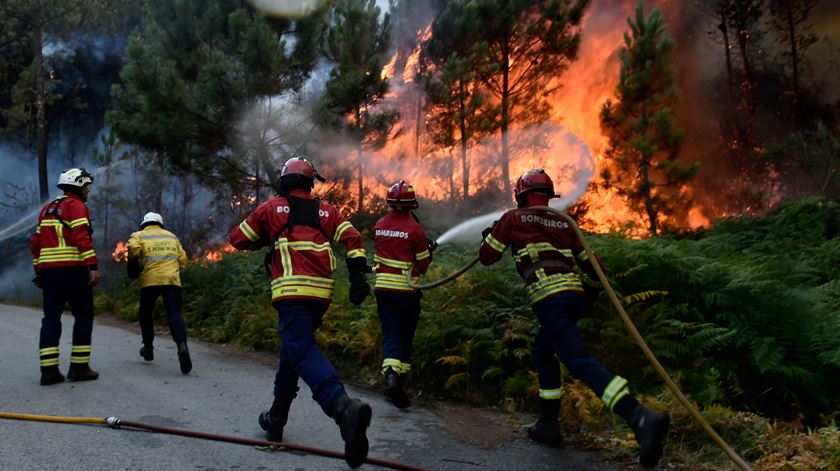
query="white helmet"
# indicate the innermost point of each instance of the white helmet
(152, 218)
(77, 177)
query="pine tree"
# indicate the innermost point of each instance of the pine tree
(195, 69)
(643, 142)
(452, 66)
(527, 44)
(29, 25)
(357, 42)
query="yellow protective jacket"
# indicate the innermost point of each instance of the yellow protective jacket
(160, 255)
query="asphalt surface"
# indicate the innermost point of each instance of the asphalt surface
(223, 395)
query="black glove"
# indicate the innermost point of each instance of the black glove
(133, 268)
(432, 245)
(591, 289)
(359, 288)
(488, 230)
(37, 280)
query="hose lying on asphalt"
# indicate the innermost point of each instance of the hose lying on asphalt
(115, 422)
(740, 462)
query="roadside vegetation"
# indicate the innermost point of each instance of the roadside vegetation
(744, 317)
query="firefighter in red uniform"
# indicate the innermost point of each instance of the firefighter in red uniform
(401, 245)
(66, 270)
(545, 248)
(298, 231)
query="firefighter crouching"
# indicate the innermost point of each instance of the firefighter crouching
(544, 248)
(155, 256)
(299, 230)
(401, 245)
(66, 270)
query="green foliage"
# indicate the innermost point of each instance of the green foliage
(192, 72)
(640, 125)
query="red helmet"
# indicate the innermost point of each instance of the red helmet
(401, 195)
(534, 180)
(298, 166)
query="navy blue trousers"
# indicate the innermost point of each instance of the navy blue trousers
(558, 335)
(68, 285)
(300, 356)
(172, 301)
(398, 316)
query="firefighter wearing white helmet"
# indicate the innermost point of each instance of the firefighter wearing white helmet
(156, 256)
(66, 269)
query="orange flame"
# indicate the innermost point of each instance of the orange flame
(120, 252)
(581, 90)
(214, 256)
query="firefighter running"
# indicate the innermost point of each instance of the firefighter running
(298, 231)
(545, 248)
(401, 245)
(155, 256)
(66, 270)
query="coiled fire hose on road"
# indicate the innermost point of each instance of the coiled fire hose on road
(675, 390)
(114, 422)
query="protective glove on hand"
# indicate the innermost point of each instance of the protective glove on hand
(359, 288)
(37, 280)
(432, 245)
(488, 230)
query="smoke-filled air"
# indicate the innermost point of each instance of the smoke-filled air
(695, 143)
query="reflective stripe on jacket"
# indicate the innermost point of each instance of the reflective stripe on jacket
(303, 262)
(400, 243)
(63, 237)
(160, 255)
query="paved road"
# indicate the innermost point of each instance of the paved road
(224, 394)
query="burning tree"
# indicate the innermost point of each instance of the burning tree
(356, 43)
(452, 67)
(643, 141)
(525, 45)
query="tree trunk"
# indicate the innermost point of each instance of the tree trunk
(159, 194)
(749, 107)
(360, 160)
(40, 104)
(793, 58)
(462, 121)
(730, 80)
(651, 211)
(504, 158)
(361, 165)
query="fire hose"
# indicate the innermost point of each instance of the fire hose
(114, 422)
(675, 390)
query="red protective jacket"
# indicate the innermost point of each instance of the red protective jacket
(303, 262)
(63, 235)
(545, 249)
(400, 242)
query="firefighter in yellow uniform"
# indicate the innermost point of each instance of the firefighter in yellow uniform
(155, 256)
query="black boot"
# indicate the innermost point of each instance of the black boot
(394, 389)
(51, 375)
(650, 427)
(273, 421)
(547, 430)
(147, 352)
(353, 417)
(184, 357)
(81, 372)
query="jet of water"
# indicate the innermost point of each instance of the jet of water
(471, 229)
(28, 221)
